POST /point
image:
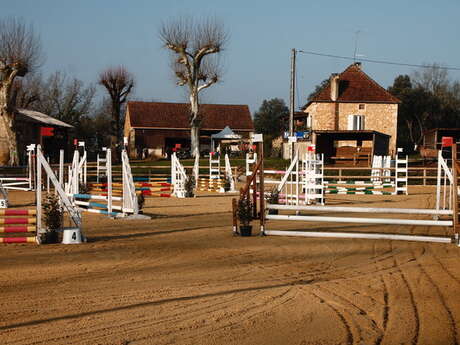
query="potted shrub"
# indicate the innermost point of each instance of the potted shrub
(52, 214)
(245, 209)
(227, 183)
(140, 202)
(82, 189)
(190, 186)
(273, 198)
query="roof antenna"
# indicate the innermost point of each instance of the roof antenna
(357, 32)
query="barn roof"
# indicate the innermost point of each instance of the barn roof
(176, 115)
(37, 117)
(356, 86)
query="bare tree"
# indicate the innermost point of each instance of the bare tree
(194, 46)
(119, 83)
(66, 98)
(20, 53)
(27, 92)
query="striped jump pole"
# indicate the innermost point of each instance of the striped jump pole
(17, 221)
(106, 213)
(17, 240)
(15, 229)
(13, 212)
(95, 205)
(365, 192)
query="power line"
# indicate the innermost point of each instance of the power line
(376, 61)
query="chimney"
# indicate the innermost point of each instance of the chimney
(334, 82)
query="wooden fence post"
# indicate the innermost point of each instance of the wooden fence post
(235, 216)
(262, 190)
(455, 190)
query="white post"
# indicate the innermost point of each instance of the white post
(47, 177)
(109, 181)
(61, 167)
(38, 191)
(75, 174)
(297, 183)
(29, 167)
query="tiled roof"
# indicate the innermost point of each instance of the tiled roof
(176, 115)
(356, 86)
(35, 116)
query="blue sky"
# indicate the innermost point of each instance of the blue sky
(84, 37)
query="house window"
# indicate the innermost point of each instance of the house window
(355, 122)
(362, 107)
(308, 121)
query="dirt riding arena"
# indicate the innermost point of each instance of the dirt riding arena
(182, 278)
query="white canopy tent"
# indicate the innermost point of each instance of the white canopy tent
(225, 134)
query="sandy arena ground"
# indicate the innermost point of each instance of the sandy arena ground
(182, 278)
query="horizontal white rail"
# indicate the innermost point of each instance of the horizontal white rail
(115, 207)
(94, 197)
(427, 211)
(376, 236)
(390, 221)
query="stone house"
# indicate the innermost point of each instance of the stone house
(351, 110)
(157, 127)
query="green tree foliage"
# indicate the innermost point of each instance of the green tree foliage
(428, 100)
(268, 120)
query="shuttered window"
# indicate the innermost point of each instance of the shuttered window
(355, 122)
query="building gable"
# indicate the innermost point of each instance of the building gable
(355, 86)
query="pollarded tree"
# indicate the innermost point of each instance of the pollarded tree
(194, 46)
(20, 53)
(118, 83)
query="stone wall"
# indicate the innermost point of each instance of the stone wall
(322, 115)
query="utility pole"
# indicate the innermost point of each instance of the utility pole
(292, 101)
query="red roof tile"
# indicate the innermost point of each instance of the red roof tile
(356, 86)
(176, 115)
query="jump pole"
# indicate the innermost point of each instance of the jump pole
(353, 235)
(426, 211)
(389, 221)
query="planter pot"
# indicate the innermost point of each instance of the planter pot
(245, 230)
(50, 237)
(71, 236)
(270, 211)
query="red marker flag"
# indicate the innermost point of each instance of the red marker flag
(46, 131)
(447, 141)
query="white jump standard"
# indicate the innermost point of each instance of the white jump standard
(298, 209)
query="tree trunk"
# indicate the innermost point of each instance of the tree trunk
(194, 124)
(7, 119)
(114, 135)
